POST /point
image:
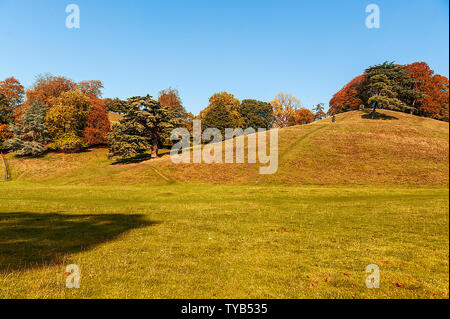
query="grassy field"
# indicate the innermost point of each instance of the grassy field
(205, 241)
(346, 195)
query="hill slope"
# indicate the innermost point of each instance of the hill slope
(397, 149)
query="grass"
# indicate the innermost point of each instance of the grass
(408, 151)
(346, 195)
(223, 241)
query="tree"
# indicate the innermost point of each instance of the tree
(98, 125)
(116, 105)
(11, 96)
(91, 87)
(348, 98)
(145, 125)
(218, 116)
(256, 114)
(303, 116)
(382, 86)
(284, 107)
(5, 134)
(171, 98)
(67, 119)
(227, 100)
(30, 134)
(319, 111)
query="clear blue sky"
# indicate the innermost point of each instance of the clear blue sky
(253, 49)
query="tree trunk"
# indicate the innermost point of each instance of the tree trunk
(373, 110)
(154, 146)
(6, 167)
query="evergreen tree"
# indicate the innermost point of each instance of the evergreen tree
(319, 111)
(146, 125)
(218, 117)
(256, 114)
(30, 134)
(383, 84)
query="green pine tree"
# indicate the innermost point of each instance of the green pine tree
(30, 134)
(146, 125)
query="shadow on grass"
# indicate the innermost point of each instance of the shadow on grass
(29, 240)
(140, 158)
(377, 116)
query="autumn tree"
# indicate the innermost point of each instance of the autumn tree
(256, 114)
(98, 124)
(67, 120)
(227, 100)
(11, 97)
(430, 96)
(284, 107)
(145, 125)
(303, 116)
(91, 87)
(47, 87)
(171, 98)
(348, 98)
(30, 133)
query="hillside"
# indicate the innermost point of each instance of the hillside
(396, 149)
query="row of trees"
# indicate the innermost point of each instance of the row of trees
(55, 113)
(147, 123)
(412, 88)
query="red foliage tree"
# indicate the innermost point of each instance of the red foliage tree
(347, 99)
(98, 124)
(431, 89)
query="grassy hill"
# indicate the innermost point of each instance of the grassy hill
(395, 149)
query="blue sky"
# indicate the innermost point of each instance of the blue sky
(253, 49)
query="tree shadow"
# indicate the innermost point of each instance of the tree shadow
(139, 158)
(133, 160)
(32, 240)
(377, 116)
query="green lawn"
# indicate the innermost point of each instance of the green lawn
(210, 241)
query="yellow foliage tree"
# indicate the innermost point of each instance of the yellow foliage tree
(284, 108)
(66, 120)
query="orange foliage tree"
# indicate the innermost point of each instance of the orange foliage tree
(11, 97)
(348, 98)
(431, 91)
(303, 116)
(98, 124)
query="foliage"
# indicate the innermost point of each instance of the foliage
(319, 111)
(348, 98)
(67, 119)
(11, 96)
(98, 125)
(256, 114)
(228, 101)
(218, 116)
(410, 88)
(146, 124)
(116, 105)
(30, 133)
(171, 98)
(91, 88)
(5, 134)
(284, 107)
(382, 86)
(303, 116)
